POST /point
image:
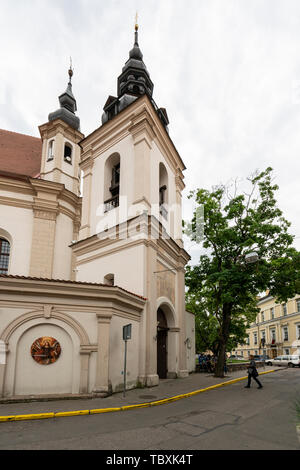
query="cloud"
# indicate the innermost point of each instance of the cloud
(227, 72)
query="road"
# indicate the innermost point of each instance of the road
(231, 417)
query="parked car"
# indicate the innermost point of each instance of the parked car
(261, 357)
(238, 358)
(288, 360)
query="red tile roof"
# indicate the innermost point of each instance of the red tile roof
(20, 154)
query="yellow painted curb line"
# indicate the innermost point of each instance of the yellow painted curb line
(104, 410)
(71, 413)
(26, 417)
(122, 408)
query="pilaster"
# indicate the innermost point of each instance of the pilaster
(102, 365)
(143, 135)
(43, 241)
(87, 168)
(182, 369)
(151, 319)
(3, 354)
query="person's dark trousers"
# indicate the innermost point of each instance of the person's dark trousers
(256, 380)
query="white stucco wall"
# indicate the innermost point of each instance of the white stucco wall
(62, 251)
(18, 222)
(32, 377)
(25, 376)
(127, 265)
(117, 354)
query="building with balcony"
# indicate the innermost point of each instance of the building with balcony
(276, 330)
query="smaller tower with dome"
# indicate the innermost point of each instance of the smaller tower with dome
(60, 136)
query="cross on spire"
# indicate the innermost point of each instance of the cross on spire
(71, 70)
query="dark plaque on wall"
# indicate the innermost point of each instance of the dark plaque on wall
(45, 350)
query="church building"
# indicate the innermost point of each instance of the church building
(91, 249)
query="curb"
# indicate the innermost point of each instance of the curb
(122, 408)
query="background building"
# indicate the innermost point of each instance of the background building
(276, 330)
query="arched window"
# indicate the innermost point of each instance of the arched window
(50, 154)
(163, 191)
(112, 182)
(4, 255)
(68, 153)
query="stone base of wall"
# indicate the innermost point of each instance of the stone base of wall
(39, 398)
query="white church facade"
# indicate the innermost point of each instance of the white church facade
(91, 241)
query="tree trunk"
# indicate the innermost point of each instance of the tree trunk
(224, 334)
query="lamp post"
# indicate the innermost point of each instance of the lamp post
(251, 257)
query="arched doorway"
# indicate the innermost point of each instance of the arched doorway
(162, 353)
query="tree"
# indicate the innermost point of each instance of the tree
(207, 324)
(224, 286)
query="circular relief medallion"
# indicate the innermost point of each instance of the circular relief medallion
(45, 350)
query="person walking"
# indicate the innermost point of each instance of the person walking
(252, 373)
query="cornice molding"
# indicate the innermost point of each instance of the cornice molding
(51, 128)
(142, 128)
(149, 225)
(126, 123)
(68, 293)
(14, 202)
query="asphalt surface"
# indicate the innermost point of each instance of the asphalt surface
(226, 418)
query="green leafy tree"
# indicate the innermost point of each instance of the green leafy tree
(207, 324)
(225, 285)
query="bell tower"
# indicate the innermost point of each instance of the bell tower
(131, 216)
(60, 136)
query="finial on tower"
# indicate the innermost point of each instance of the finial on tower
(136, 40)
(70, 71)
(68, 104)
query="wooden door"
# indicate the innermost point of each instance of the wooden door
(162, 354)
(162, 333)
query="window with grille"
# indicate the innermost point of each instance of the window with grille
(112, 182)
(4, 255)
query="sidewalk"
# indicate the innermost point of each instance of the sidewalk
(166, 389)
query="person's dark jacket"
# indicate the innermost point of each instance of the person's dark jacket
(252, 369)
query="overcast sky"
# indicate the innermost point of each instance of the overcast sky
(227, 71)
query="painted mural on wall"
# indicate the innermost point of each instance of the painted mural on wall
(45, 350)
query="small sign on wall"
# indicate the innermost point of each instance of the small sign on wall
(126, 336)
(127, 332)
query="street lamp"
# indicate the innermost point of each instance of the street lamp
(251, 257)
